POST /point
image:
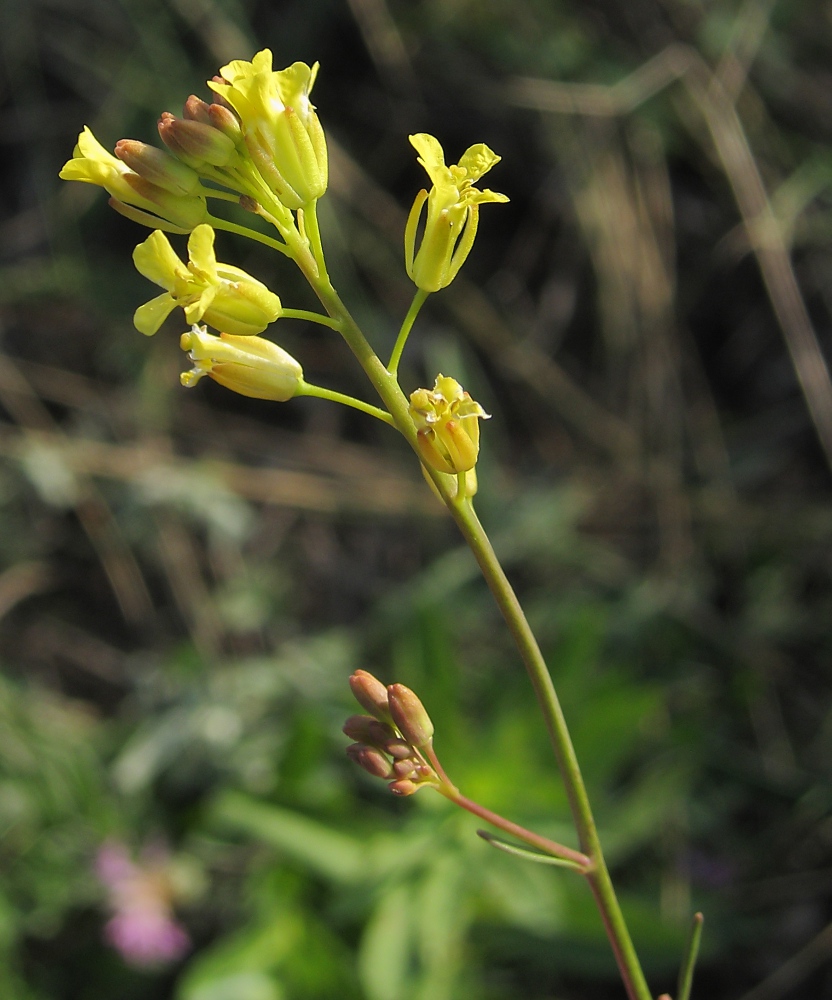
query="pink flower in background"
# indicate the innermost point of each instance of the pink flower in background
(142, 928)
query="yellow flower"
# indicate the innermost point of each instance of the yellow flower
(135, 196)
(223, 295)
(251, 366)
(453, 212)
(447, 426)
(281, 130)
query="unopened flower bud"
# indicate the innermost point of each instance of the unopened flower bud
(197, 143)
(133, 196)
(371, 759)
(404, 768)
(402, 787)
(185, 211)
(366, 729)
(409, 715)
(158, 167)
(224, 119)
(398, 749)
(370, 694)
(196, 110)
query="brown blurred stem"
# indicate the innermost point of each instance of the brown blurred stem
(714, 95)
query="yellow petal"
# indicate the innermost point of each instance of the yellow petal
(155, 260)
(431, 157)
(201, 251)
(90, 148)
(478, 160)
(194, 311)
(148, 318)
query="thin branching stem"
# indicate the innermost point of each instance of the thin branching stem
(597, 875)
(398, 348)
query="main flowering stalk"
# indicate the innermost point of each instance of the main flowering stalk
(260, 144)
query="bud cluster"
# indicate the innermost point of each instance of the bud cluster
(260, 138)
(392, 742)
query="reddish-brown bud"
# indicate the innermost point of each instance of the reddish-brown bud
(196, 110)
(366, 729)
(216, 116)
(402, 787)
(404, 768)
(226, 121)
(218, 98)
(409, 715)
(370, 694)
(196, 143)
(372, 760)
(398, 749)
(158, 167)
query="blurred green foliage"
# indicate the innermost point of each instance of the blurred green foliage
(187, 580)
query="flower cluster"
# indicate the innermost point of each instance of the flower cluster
(395, 741)
(281, 130)
(260, 139)
(156, 191)
(142, 927)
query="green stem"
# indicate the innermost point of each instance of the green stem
(222, 195)
(388, 388)
(598, 876)
(252, 234)
(313, 233)
(312, 317)
(306, 389)
(689, 959)
(417, 303)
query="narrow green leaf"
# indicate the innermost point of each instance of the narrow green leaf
(331, 854)
(385, 957)
(689, 959)
(526, 852)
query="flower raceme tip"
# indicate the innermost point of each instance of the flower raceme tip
(251, 366)
(260, 139)
(222, 295)
(394, 743)
(452, 215)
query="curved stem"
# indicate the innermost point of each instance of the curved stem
(339, 397)
(551, 847)
(312, 317)
(252, 234)
(598, 877)
(417, 303)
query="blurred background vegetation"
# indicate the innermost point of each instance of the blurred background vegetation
(188, 578)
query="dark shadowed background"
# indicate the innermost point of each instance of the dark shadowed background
(188, 577)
